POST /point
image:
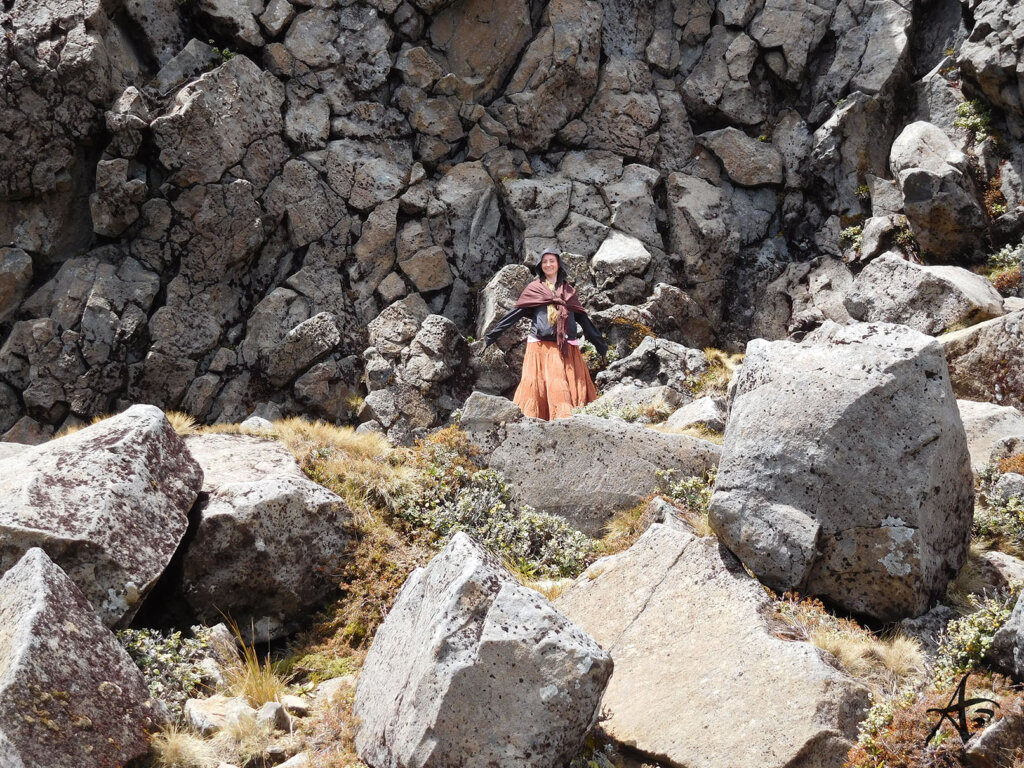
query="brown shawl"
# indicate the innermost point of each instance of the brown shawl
(537, 294)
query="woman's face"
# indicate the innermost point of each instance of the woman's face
(549, 265)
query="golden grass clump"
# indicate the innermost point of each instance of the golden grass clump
(256, 680)
(70, 430)
(885, 664)
(244, 740)
(721, 368)
(975, 578)
(175, 747)
(183, 423)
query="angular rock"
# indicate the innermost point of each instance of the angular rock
(1007, 651)
(70, 696)
(938, 196)
(747, 161)
(233, 19)
(986, 361)
(471, 222)
(695, 655)
(268, 536)
(481, 41)
(15, 276)
(669, 312)
(927, 299)
(500, 295)
(216, 119)
(657, 362)
(987, 426)
(576, 468)
(392, 330)
(720, 83)
(471, 668)
(876, 515)
(304, 344)
(114, 521)
(556, 76)
(624, 112)
(214, 713)
(707, 412)
(620, 255)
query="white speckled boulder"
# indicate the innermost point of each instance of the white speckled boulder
(471, 669)
(700, 679)
(845, 470)
(268, 537)
(70, 696)
(109, 504)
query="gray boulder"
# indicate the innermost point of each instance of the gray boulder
(268, 537)
(698, 670)
(70, 696)
(938, 195)
(987, 426)
(719, 83)
(928, 299)
(472, 669)
(873, 507)
(1007, 650)
(585, 468)
(988, 55)
(708, 412)
(986, 361)
(747, 161)
(114, 521)
(657, 362)
(499, 296)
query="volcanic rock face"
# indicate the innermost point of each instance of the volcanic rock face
(109, 504)
(271, 190)
(845, 471)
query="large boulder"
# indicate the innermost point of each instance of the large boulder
(986, 361)
(471, 668)
(268, 537)
(657, 362)
(845, 471)
(585, 468)
(938, 194)
(108, 503)
(928, 299)
(700, 678)
(989, 427)
(70, 696)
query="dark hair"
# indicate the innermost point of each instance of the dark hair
(561, 277)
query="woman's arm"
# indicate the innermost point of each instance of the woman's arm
(504, 324)
(593, 335)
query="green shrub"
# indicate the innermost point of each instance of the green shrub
(974, 116)
(537, 544)
(169, 663)
(694, 492)
(863, 193)
(966, 640)
(852, 236)
(1007, 257)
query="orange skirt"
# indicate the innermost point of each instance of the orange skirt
(553, 385)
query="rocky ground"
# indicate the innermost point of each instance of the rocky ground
(269, 238)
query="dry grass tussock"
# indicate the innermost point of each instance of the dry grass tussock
(176, 747)
(699, 431)
(70, 430)
(331, 733)
(256, 680)
(885, 664)
(974, 578)
(721, 367)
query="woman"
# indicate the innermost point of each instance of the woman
(555, 377)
